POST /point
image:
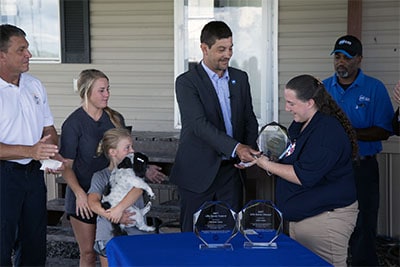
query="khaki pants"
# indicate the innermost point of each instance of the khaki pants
(327, 234)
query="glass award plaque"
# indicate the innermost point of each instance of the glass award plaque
(273, 140)
(215, 225)
(261, 223)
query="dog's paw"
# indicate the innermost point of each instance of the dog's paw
(146, 228)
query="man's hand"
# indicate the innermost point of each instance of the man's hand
(246, 153)
(41, 150)
(126, 217)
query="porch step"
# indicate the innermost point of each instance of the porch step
(56, 204)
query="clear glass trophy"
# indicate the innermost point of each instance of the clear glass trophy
(261, 223)
(215, 225)
(273, 141)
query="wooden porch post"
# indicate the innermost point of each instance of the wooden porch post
(354, 17)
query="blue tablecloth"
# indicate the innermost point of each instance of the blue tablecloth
(182, 249)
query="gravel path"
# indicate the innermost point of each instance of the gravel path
(62, 249)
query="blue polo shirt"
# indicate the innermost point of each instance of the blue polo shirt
(321, 156)
(367, 103)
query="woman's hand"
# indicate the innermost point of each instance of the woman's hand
(82, 206)
(60, 169)
(262, 161)
(154, 174)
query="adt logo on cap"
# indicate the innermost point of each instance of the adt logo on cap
(342, 42)
(348, 45)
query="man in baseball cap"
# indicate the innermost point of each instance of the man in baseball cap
(348, 45)
(367, 104)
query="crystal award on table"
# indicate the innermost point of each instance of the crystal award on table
(215, 225)
(261, 223)
(273, 140)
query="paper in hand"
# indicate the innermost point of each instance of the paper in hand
(51, 164)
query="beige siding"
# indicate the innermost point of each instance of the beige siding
(381, 40)
(389, 171)
(132, 42)
(307, 32)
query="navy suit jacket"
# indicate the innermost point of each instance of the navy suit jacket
(203, 139)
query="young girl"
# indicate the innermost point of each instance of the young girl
(116, 145)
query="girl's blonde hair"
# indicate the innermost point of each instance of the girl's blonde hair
(85, 86)
(111, 138)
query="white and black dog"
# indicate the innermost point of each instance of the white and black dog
(122, 180)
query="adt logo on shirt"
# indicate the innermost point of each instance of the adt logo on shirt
(37, 99)
(362, 101)
(363, 98)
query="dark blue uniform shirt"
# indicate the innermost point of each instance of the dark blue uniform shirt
(322, 160)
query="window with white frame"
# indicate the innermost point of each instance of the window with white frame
(40, 19)
(254, 27)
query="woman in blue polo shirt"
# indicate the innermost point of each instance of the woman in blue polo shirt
(315, 187)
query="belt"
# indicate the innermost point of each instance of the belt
(33, 165)
(367, 157)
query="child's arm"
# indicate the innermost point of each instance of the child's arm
(115, 213)
(94, 201)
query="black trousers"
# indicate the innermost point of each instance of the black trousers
(23, 214)
(363, 240)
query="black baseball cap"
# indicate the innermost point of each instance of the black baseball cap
(348, 45)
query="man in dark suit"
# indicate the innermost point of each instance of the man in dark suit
(219, 127)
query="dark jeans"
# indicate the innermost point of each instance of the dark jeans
(362, 242)
(23, 214)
